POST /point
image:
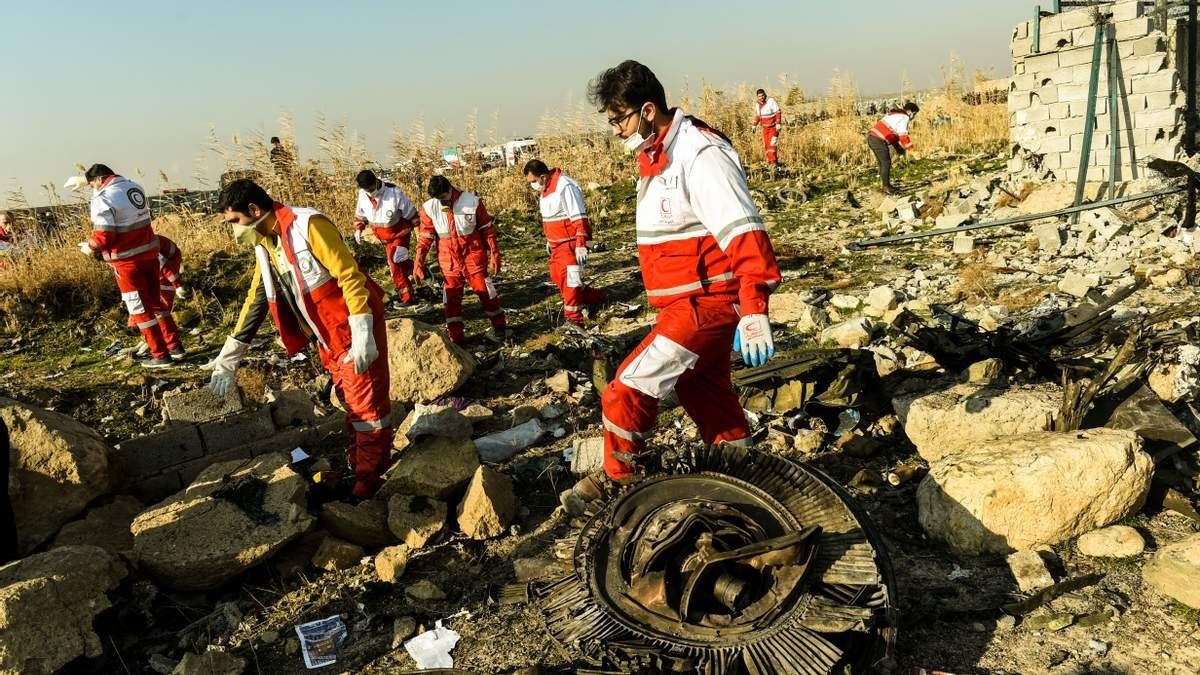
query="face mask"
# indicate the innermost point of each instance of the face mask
(247, 235)
(636, 139)
(537, 187)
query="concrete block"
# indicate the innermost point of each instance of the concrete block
(1055, 144)
(1069, 126)
(1159, 100)
(1077, 18)
(156, 488)
(1042, 63)
(1036, 113)
(963, 244)
(1022, 30)
(1021, 47)
(1057, 40)
(284, 441)
(1083, 37)
(1046, 95)
(1072, 92)
(1051, 24)
(1019, 100)
(187, 472)
(1151, 44)
(149, 455)
(1019, 67)
(1165, 80)
(1051, 162)
(1143, 65)
(1075, 57)
(1127, 11)
(1132, 29)
(1060, 111)
(1158, 119)
(237, 430)
(1021, 83)
(200, 405)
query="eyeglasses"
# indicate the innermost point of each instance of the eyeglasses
(616, 122)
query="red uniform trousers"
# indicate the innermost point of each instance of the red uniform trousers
(138, 282)
(566, 273)
(457, 273)
(401, 270)
(166, 321)
(770, 134)
(687, 351)
(368, 411)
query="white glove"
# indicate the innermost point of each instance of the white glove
(362, 342)
(75, 183)
(753, 339)
(86, 249)
(358, 236)
(775, 141)
(181, 293)
(225, 365)
(581, 255)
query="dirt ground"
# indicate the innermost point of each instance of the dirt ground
(949, 605)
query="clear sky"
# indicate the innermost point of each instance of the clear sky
(138, 84)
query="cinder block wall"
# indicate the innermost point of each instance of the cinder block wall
(1048, 95)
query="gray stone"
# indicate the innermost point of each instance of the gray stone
(1049, 236)
(1115, 541)
(1174, 571)
(489, 505)
(845, 302)
(291, 408)
(337, 554)
(560, 382)
(365, 523)
(852, 333)
(963, 244)
(1019, 492)
(104, 526)
(391, 562)
(416, 519)
(238, 430)
(58, 467)
(146, 455)
(233, 516)
(1078, 285)
(811, 319)
(424, 591)
(434, 467)
(882, 298)
(424, 364)
(1030, 571)
(986, 371)
(48, 602)
(431, 420)
(402, 629)
(200, 404)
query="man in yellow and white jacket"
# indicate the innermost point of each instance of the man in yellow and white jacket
(308, 281)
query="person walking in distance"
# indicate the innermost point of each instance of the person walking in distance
(306, 279)
(386, 208)
(123, 236)
(891, 132)
(770, 117)
(568, 236)
(468, 253)
(707, 264)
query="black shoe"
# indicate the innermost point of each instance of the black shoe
(157, 363)
(179, 353)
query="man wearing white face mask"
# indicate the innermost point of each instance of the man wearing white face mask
(309, 283)
(568, 236)
(386, 208)
(707, 263)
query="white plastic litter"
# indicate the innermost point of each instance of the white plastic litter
(431, 649)
(504, 444)
(319, 641)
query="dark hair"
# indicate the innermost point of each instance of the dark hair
(536, 167)
(274, 140)
(912, 107)
(760, 91)
(366, 179)
(98, 171)
(438, 185)
(627, 85)
(240, 194)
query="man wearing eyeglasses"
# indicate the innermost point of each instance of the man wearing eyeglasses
(707, 264)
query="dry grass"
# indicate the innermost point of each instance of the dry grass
(54, 281)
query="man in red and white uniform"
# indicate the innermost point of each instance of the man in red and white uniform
(123, 237)
(568, 236)
(170, 285)
(707, 263)
(386, 208)
(891, 132)
(770, 117)
(467, 252)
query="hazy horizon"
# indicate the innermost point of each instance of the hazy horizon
(138, 85)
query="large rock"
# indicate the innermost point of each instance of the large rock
(1117, 541)
(336, 554)
(58, 466)
(365, 524)
(852, 333)
(47, 604)
(233, 516)
(489, 505)
(943, 422)
(1018, 492)
(424, 363)
(1175, 571)
(435, 467)
(104, 526)
(415, 519)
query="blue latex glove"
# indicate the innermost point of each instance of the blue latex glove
(753, 339)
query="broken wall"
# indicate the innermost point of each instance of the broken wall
(1048, 95)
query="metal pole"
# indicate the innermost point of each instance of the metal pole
(1057, 6)
(1018, 219)
(1089, 121)
(1189, 122)
(1037, 29)
(1114, 83)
